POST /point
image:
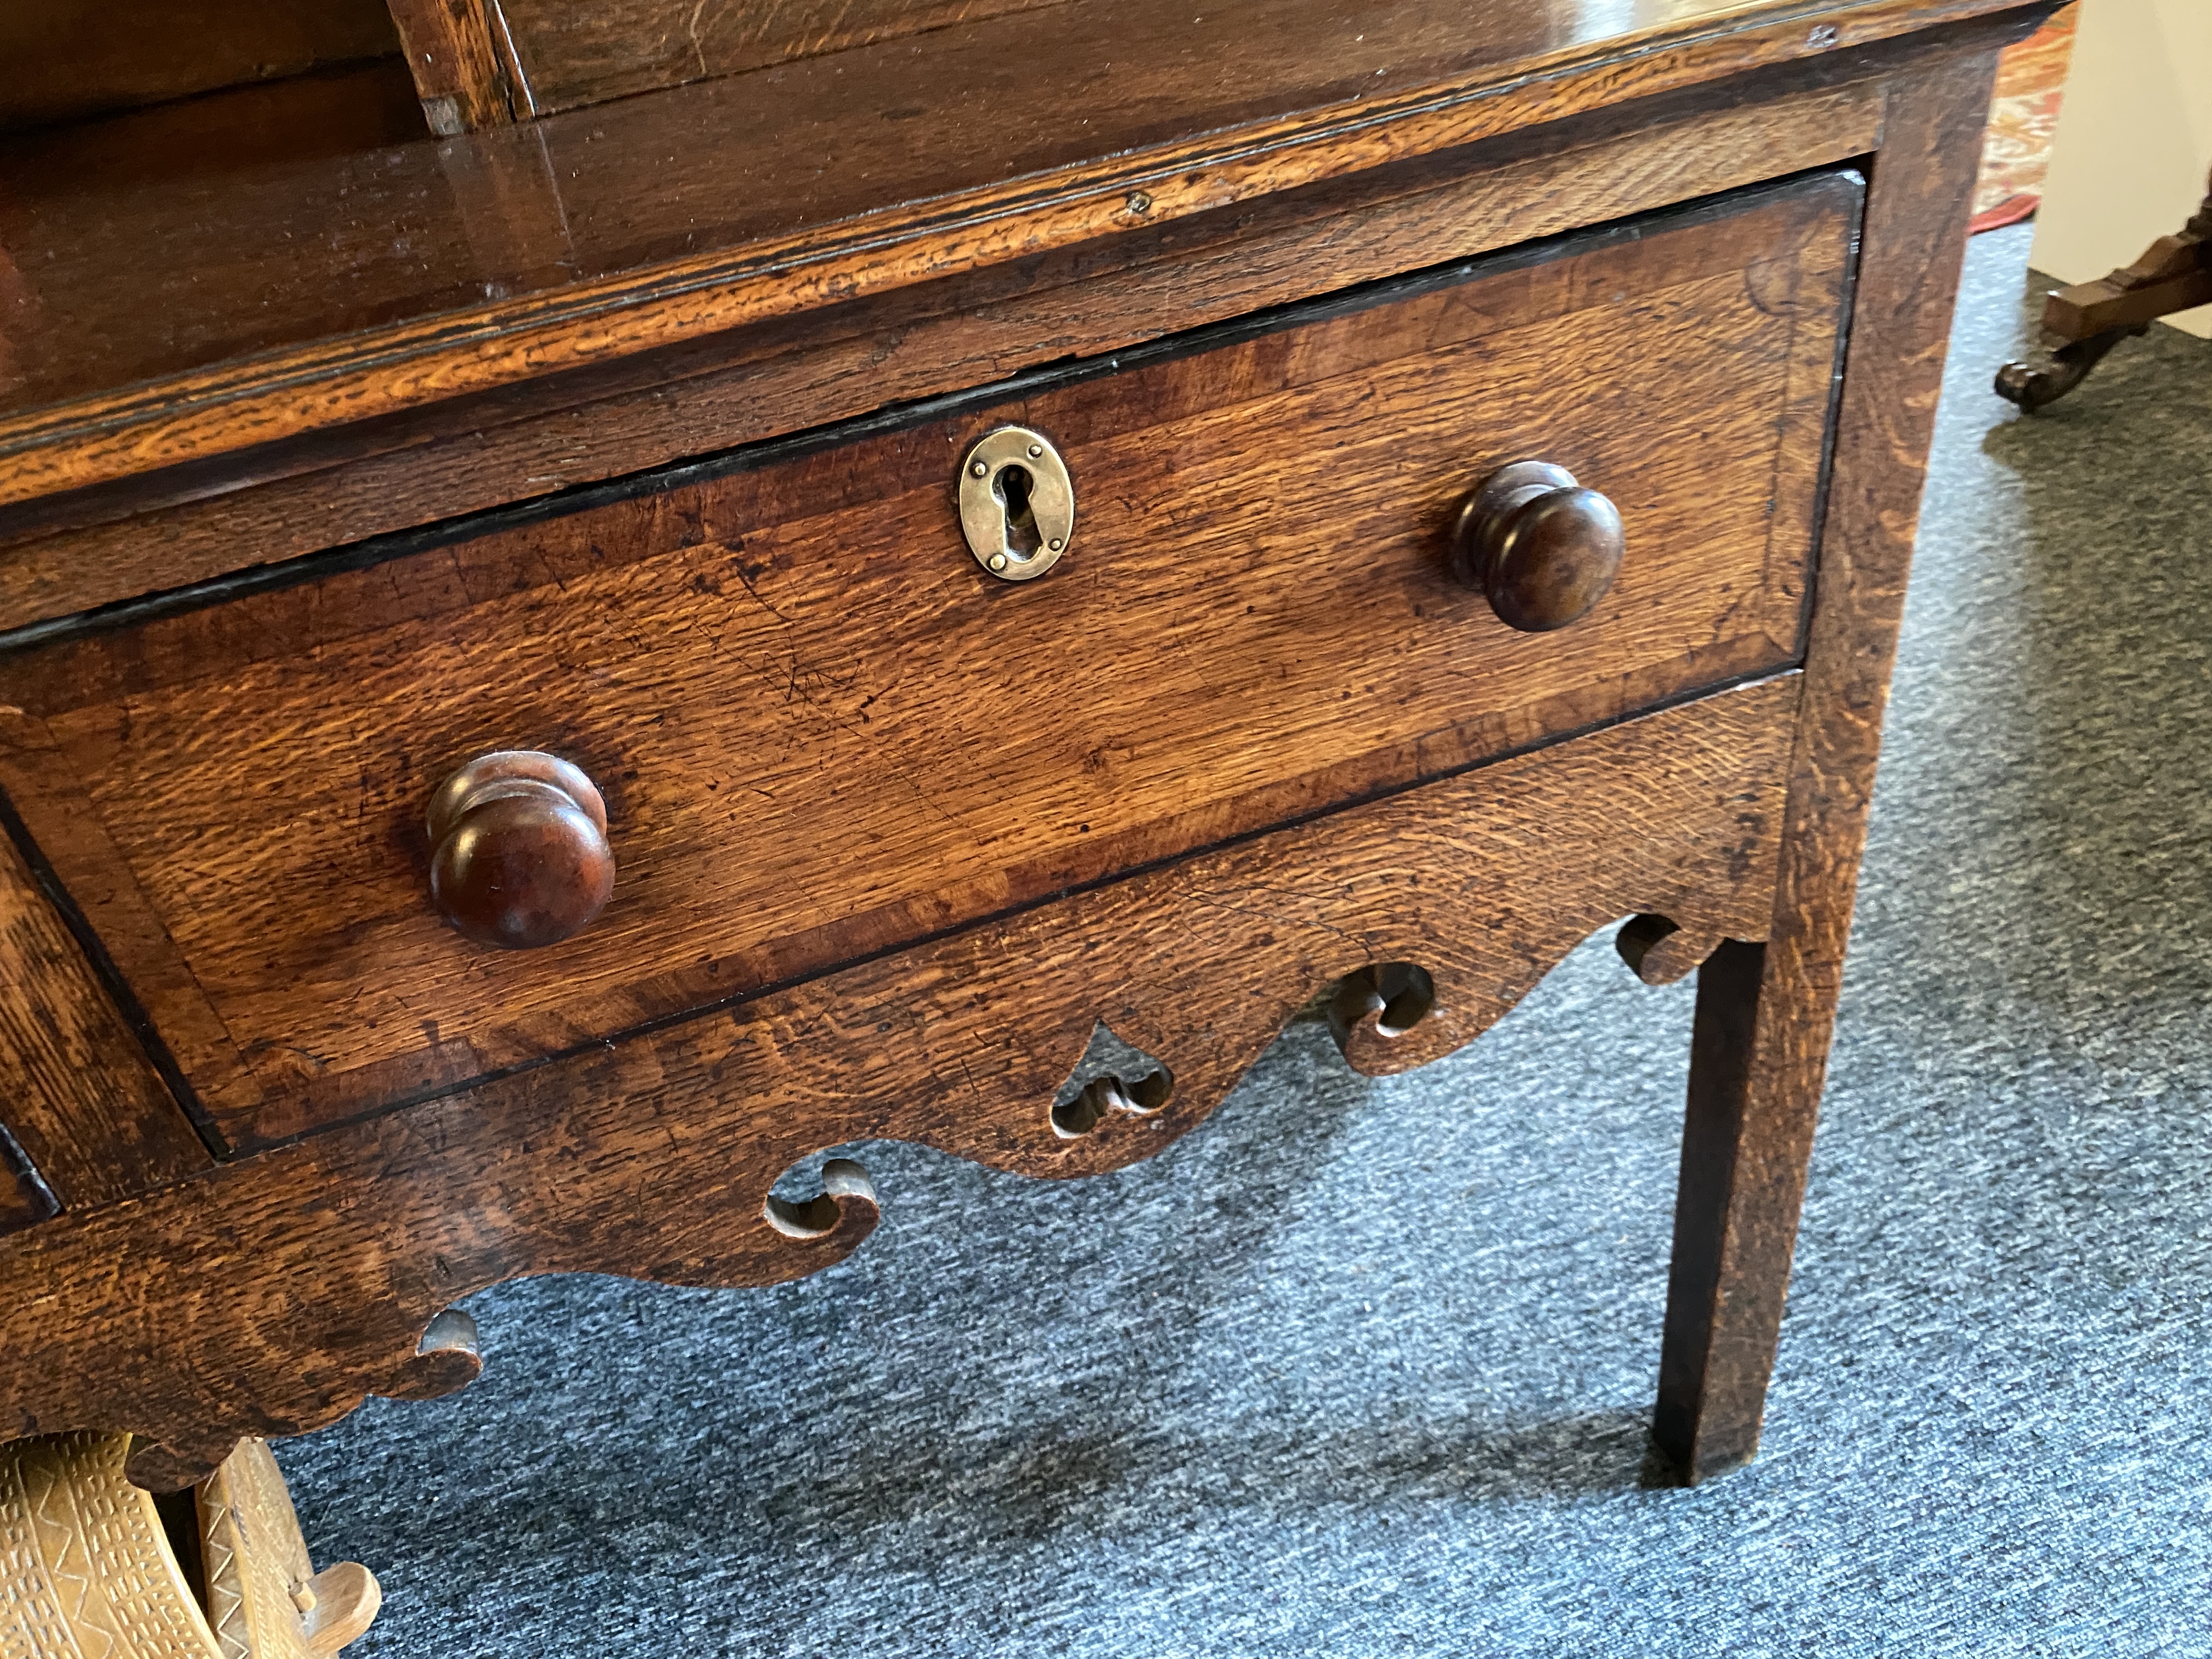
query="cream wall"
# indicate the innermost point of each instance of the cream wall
(2134, 139)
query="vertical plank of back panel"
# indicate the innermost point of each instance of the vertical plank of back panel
(454, 49)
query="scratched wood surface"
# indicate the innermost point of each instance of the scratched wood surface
(823, 731)
(574, 53)
(297, 299)
(270, 1295)
(463, 61)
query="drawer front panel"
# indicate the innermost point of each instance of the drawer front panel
(821, 729)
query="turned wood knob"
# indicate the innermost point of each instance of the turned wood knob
(519, 852)
(1543, 548)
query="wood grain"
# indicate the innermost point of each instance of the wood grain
(576, 52)
(454, 49)
(182, 1035)
(77, 1092)
(823, 731)
(24, 1198)
(72, 59)
(269, 1296)
(265, 1598)
(1766, 1013)
(373, 324)
(87, 1565)
(934, 339)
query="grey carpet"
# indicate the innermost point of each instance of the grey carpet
(1363, 1368)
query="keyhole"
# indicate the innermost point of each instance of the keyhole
(1012, 487)
(1017, 503)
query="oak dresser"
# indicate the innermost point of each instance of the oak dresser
(710, 605)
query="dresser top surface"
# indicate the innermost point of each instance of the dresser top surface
(170, 292)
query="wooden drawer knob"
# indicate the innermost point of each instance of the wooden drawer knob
(518, 849)
(1541, 547)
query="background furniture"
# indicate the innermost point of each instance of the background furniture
(1457, 456)
(2134, 141)
(2086, 321)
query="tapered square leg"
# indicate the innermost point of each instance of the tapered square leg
(1765, 1012)
(1746, 1137)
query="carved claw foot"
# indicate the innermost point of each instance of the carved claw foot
(90, 1562)
(2086, 321)
(2034, 388)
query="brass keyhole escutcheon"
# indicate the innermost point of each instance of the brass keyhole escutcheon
(1017, 503)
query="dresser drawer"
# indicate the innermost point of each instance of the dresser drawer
(823, 729)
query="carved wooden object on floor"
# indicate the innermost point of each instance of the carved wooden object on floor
(88, 1566)
(85, 1566)
(265, 1598)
